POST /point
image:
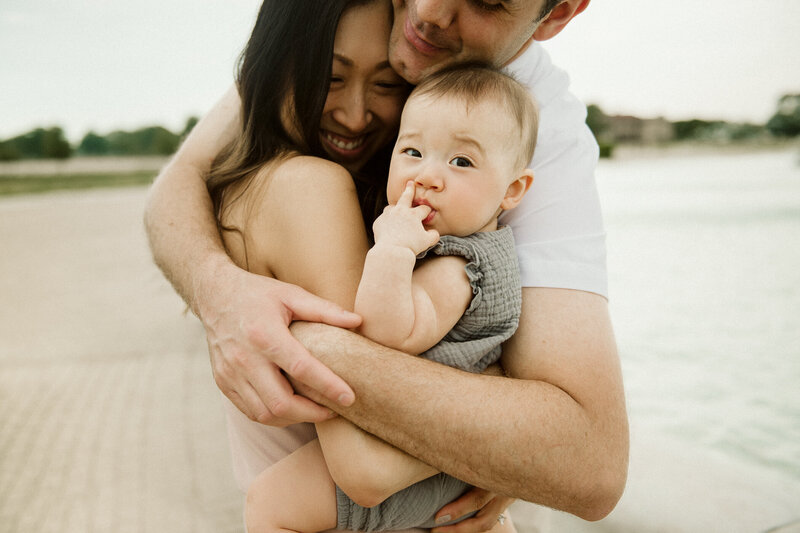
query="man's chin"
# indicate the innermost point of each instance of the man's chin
(410, 64)
(413, 69)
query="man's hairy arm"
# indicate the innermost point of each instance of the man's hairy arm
(245, 315)
(556, 435)
(179, 217)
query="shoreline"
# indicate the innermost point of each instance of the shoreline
(696, 149)
(128, 164)
(82, 165)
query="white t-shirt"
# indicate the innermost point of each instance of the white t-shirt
(558, 226)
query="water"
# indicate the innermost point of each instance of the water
(704, 266)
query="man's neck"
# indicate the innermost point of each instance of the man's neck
(521, 51)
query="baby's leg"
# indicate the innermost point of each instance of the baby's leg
(295, 494)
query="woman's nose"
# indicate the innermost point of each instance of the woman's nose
(352, 113)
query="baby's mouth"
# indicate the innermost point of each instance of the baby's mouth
(421, 201)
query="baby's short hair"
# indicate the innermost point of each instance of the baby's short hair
(478, 81)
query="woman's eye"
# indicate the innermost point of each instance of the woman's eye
(413, 152)
(389, 85)
(461, 162)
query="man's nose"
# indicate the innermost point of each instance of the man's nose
(440, 13)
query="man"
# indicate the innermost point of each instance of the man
(557, 434)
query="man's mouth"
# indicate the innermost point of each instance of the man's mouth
(421, 44)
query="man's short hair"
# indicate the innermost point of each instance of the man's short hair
(477, 82)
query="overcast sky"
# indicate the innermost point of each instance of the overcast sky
(111, 64)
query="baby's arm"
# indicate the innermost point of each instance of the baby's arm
(402, 307)
(368, 469)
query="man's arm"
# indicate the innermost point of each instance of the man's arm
(557, 435)
(179, 218)
(245, 315)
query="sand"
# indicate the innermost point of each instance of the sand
(110, 419)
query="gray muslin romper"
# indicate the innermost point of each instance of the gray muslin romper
(472, 345)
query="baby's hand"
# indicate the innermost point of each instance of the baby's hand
(401, 224)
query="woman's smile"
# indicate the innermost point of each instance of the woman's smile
(344, 148)
(344, 142)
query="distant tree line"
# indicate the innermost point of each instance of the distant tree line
(156, 140)
(39, 143)
(51, 143)
(610, 130)
(786, 120)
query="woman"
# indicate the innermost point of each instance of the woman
(288, 107)
(289, 191)
(320, 103)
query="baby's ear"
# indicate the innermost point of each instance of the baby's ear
(517, 190)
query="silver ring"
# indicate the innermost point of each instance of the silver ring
(501, 519)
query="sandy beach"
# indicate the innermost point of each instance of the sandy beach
(111, 421)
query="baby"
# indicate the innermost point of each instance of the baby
(442, 280)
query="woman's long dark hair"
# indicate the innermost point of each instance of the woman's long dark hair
(289, 54)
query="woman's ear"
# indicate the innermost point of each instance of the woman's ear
(558, 18)
(517, 190)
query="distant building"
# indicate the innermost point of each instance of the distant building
(625, 128)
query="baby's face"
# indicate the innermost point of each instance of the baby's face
(462, 161)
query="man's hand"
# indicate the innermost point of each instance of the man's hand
(489, 506)
(246, 320)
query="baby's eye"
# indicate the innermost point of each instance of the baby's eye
(461, 162)
(413, 152)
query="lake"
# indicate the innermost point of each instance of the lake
(704, 275)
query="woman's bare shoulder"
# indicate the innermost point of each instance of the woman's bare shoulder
(292, 181)
(302, 186)
(302, 174)
(307, 205)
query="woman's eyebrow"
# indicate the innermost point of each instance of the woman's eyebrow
(346, 61)
(343, 59)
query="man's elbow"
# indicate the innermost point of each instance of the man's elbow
(600, 489)
(603, 494)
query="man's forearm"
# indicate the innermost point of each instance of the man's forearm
(179, 218)
(424, 408)
(182, 230)
(525, 438)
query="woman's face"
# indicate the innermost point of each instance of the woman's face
(365, 99)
